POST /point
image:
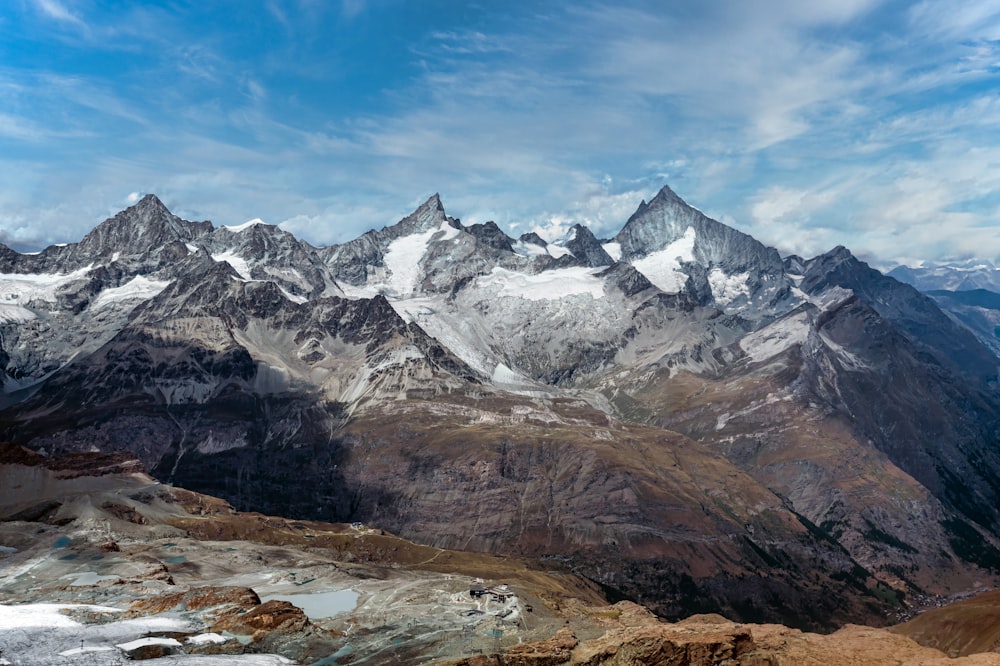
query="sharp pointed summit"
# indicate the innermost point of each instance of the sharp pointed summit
(145, 226)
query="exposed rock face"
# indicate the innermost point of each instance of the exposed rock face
(678, 413)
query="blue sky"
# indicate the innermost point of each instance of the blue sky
(866, 123)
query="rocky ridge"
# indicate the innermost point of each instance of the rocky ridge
(774, 431)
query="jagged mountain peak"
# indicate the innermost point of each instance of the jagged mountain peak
(586, 248)
(428, 215)
(144, 226)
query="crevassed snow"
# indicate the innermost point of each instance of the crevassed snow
(776, 337)
(238, 263)
(138, 287)
(614, 250)
(246, 225)
(727, 288)
(663, 267)
(547, 285)
(22, 288)
(456, 332)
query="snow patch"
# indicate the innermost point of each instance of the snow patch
(139, 287)
(547, 285)
(43, 615)
(23, 288)
(238, 263)
(143, 642)
(663, 267)
(727, 288)
(202, 639)
(242, 227)
(403, 256)
(614, 250)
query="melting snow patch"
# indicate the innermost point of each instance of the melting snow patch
(663, 267)
(547, 285)
(138, 287)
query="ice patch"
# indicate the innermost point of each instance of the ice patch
(547, 285)
(727, 288)
(242, 227)
(614, 250)
(140, 287)
(202, 639)
(663, 267)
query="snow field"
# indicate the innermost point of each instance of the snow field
(663, 267)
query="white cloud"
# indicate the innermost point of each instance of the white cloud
(56, 10)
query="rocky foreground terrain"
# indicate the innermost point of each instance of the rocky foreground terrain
(100, 563)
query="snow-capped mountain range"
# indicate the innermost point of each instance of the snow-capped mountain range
(677, 403)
